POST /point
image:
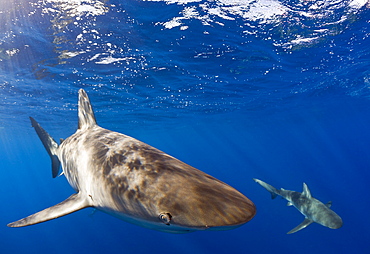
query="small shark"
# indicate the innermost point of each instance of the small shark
(135, 182)
(311, 208)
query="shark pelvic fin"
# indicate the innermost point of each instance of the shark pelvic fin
(72, 204)
(86, 117)
(50, 145)
(304, 224)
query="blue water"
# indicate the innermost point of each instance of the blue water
(268, 89)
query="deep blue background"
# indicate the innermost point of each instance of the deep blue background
(239, 95)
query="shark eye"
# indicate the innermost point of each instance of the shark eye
(165, 218)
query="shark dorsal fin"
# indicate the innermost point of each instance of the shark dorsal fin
(306, 191)
(86, 117)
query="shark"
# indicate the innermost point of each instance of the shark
(313, 209)
(135, 182)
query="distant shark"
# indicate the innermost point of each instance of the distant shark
(137, 183)
(311, 208)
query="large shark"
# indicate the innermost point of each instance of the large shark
(137, 183)
(310, 207)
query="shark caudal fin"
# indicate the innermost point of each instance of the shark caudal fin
(72, 204)
(86, 117)
(50, 145)
(274, 192)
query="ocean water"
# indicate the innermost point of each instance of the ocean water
(240, 89)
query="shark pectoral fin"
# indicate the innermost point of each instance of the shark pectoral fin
(72, 204)
(328, 204)
(304, 224)
(289, 203)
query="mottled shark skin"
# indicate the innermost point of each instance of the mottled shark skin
(137, 183)
(310, 207)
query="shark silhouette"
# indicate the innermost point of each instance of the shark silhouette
(310, 207)
(135, 182)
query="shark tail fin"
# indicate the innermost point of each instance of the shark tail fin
(274, 192)
(50, 145)
(72, 204)
(86, 117)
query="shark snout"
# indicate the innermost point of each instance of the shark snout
(332, 220)
(216, 216)
(335, 224)
(210, 205)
